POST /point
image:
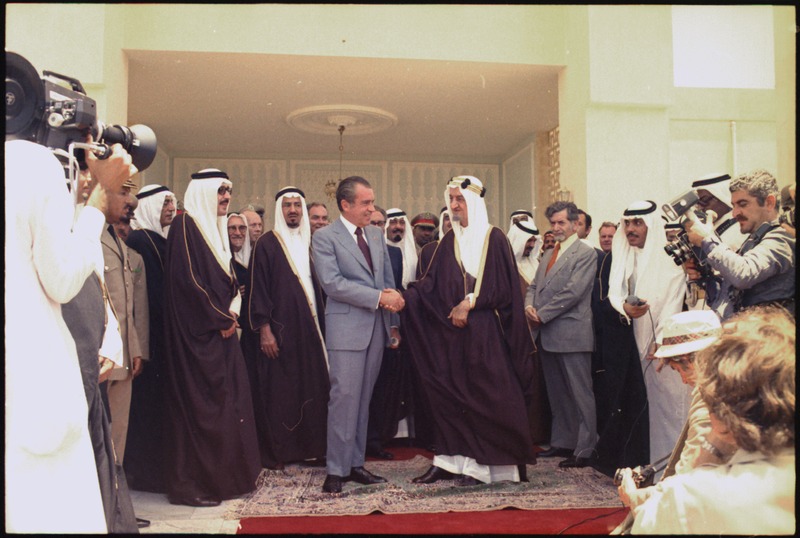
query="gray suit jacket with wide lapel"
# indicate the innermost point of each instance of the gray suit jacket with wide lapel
(352, 290)
(563, 297)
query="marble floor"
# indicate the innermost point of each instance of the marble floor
(166, 518)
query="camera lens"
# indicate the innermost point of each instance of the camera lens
(618, 478)
(138, 140)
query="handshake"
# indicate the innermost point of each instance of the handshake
(392, 300)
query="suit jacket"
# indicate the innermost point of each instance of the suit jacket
(352, 290)
(563, 298)
(141, 303)
(396, 256)
(119, 282)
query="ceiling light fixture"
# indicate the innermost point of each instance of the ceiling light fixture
(326, 119)
(331, 185)
(332, 119)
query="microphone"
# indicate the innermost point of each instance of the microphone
(634, 300)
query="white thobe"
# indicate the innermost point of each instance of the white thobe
(50, 474)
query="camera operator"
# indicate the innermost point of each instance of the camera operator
(747, 381)
(49, 458)
(713, 199)
(761, 271)
(61, 476)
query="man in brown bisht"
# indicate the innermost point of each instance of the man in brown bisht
(285, 352)
(210, 433)
(466, 332)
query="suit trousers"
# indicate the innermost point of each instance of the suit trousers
(353, 375)
(568, 377)
(119, 402)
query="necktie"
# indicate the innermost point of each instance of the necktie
(553, 258)
(362, 244)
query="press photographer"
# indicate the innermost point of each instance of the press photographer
(57, 453)
(761, 271)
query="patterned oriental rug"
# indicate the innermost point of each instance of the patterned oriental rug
(297, 491)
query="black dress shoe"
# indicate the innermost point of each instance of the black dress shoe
(201, 502)
(333, 484)
(362, 476)
(432, 475)
(573, 462)
(555, 452)
(468, 481)
(142, 523)
(523, 472)
(380, 454)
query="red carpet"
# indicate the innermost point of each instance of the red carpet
(578, 521)
(498, 522)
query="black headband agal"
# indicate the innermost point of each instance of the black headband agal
(710, 181)
(287, 190)
(395, 214)
(141, 194)
(209, 174)
(467, 184)
(532, 231)
(645, 211)
(522, 212)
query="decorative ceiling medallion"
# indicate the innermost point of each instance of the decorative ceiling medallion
(326, 119)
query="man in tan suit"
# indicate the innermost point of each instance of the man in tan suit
(133, 325)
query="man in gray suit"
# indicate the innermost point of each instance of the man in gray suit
(354, 269)
(558, 302)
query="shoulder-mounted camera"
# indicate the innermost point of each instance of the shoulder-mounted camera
(55, 111)
(682, 249)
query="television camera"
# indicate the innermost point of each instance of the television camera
(55, 111)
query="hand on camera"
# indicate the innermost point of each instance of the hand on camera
(697, 230)
(113, 171)
(629, 493)
(690, 268)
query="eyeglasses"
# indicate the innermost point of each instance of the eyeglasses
(222, 190)
(234, 228)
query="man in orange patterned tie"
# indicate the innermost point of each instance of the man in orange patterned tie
(558, 304)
